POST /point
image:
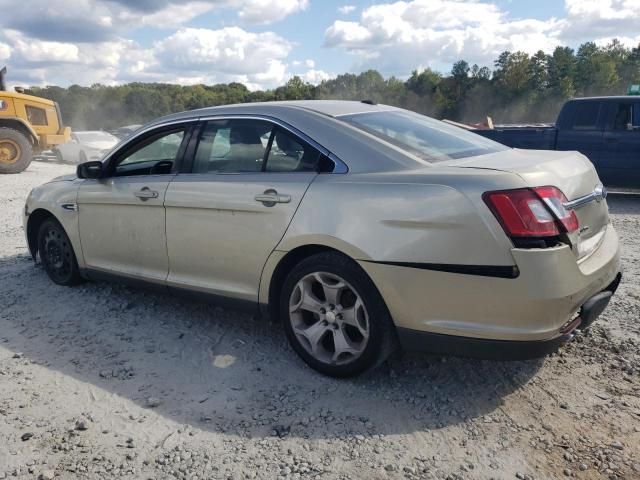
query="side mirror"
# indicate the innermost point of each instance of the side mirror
(91, 169)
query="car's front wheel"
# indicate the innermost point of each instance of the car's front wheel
(57, 255)
(334, 316)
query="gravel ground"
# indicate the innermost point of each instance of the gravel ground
(105, 381)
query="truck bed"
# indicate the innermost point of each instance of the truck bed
(541, 137)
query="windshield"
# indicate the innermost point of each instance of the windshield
(95, 137)
(422, 136)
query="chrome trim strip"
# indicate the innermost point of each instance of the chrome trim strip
(599, 194)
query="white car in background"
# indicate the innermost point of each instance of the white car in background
(85, 146)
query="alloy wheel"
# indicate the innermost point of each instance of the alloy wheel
(329, 318)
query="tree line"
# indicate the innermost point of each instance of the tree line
(519, 88)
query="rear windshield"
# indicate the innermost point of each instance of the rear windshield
(422, 136)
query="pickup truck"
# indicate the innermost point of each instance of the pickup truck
(605, 129)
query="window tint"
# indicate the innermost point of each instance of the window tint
(425, 137)
(36, 116)
(232, 146)
(288, 154)
(636, 115)
(622, 117)
(150, 152)
(586, 115)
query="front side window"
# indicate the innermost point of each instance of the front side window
(636, 116)
(249, 146)
(422, 136)
(154, 154)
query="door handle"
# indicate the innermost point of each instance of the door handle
(145, 193)
(270, 197)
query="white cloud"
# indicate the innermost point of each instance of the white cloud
(346, 9)
(5, 51)
(38, 51)
(594, 19)
(228, 54)
(268, 11)
(395, 37)
(309, 63)
(315, 76)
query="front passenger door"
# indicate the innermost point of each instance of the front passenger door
(122, 216)
(225, 217)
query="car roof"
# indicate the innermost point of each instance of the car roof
(331, 108)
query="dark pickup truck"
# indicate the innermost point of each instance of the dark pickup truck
(605, 129)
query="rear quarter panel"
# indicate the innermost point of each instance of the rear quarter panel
(435, 215)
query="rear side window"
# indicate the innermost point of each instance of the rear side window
(36, 116)
(290, 154)
(586, 116)
(636, 115)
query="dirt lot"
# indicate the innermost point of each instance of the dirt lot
(104, 381)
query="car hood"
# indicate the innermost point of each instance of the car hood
(64, 178)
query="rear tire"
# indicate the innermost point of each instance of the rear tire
(57, 255)
(334, 317)
(15, 151)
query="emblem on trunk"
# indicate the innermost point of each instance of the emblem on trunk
(600, 192)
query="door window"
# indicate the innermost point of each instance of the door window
(289, 154)
(153, 155)
(232, 146)
(586, 116)
(249, 146)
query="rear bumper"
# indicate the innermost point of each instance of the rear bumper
(549, 290)
(416, 340)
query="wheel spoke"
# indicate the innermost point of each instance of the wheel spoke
(331, 290)
(308, 301)
(342, 345)
(314, 335)
(350, 317)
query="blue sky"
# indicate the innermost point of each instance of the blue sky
(262, 43)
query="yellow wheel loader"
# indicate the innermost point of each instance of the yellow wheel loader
(28, 125)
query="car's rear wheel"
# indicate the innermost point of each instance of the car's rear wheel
(57, 254)
(334, 316)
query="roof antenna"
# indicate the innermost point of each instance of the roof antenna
(368, 102)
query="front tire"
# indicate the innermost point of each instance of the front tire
(334, 317)
(15, 151)
(57, 255)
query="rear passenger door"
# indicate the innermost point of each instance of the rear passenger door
(230, 209)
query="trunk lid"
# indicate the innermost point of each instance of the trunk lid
(571, 172)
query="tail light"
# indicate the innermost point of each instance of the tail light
(532, 212)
